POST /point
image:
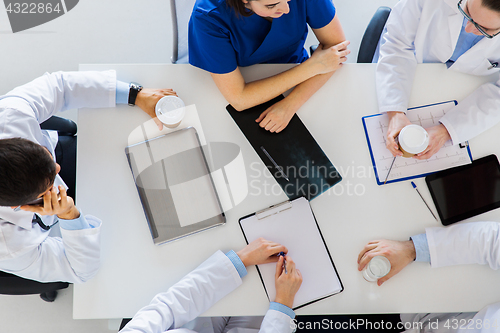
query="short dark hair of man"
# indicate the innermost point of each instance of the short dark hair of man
(492, 4)
(26, 171)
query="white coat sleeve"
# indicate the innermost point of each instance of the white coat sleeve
(276, 322)
(74, 258)
(189, 298)
(469, 243)
(397, 61)
(475, 114)
(62, 91)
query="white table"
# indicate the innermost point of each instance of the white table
(350, 214)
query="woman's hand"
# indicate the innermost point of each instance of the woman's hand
(276, 117)
(287, 282)
(330, 59)
(260, 251)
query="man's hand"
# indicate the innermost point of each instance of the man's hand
(276, 117)
(287, 284)
(397, 120)
(63, 207)
(260, 251)
(438, 135)
(147, 99)
(400, 254)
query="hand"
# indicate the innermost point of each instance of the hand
(330, 59)
(276, 117)
(260, 251)
(287, 284)
(147, 99)
(438, 135)
(63, 207)
(400, 254)
(397, 120)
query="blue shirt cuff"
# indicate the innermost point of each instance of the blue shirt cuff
(122, 90)
(421, 248)
(75, 224)
(282, 308)
(238, 264)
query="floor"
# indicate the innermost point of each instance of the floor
(113, 31)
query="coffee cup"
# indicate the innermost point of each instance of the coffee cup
(413, 139)
(170, 110)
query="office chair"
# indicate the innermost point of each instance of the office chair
(372, 35)
(66, 157)
(181, 12)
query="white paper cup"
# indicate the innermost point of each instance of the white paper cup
(413, 139)
(170, 110)
(377, 268)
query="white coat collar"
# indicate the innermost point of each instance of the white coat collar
(453, 4)
(20, 218)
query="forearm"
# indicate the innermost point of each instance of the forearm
(188, 298)
(263, 90)
(469, 243)
(475, 114)
(301, 93)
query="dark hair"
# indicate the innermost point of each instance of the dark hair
(239, 7)
(492, 4)
(26, 171)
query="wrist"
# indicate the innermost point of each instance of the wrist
(71, 214)
(287, 301)
(243, 258)
(410, 250)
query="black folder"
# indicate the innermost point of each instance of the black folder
(297, 155)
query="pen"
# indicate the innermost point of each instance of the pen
(415, 187)
(284, 261)
(275, 164)
(18, 208)
(389, 172)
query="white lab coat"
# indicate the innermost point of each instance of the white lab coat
(25, 249)
(427, 31)
(469, 243)
(175, 309)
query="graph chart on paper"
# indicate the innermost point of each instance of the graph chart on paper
(407, 168)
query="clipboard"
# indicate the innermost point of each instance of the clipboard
(448, 156)
(293, 157)
(292, 224)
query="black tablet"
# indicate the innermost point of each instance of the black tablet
(466, 191)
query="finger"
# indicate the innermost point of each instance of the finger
(341, 46)
(274, 128)
(282, 127)
(158, 123)
(269, 125)
(385, 278)
(46, 200)
(366, 259)
(368, 247)
(279, 267)
(53, 197)
(262, 115)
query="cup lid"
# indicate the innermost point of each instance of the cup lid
(413, 139)
(170, 110)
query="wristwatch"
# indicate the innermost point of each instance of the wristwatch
(134, 89)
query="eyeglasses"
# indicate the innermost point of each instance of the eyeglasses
(478, 27)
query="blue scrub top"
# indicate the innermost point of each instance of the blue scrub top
(220, 39)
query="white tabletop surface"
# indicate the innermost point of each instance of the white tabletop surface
(350, 214)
